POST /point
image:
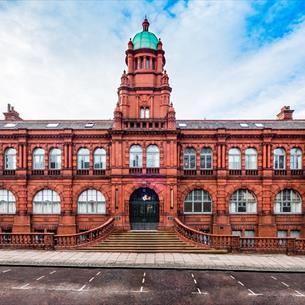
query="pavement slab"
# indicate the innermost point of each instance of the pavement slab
(245, 262)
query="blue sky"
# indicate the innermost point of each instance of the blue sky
(227, 59)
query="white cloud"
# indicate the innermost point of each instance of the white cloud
(65, 59)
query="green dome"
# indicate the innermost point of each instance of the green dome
(146, 40)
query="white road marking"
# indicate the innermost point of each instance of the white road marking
(192, 275)
(285, 284)
(141, 290)
(273, 277)
(199, 291)
(299, 294)
(253, 293)
(8, 270)
(91, 279)
(195, 281)
(143, 280)
(98, 273)
(24, 286)
(144, 274)
(232, 277)
(52, 272)
(80, 289)
(40, 278)
(240, 283)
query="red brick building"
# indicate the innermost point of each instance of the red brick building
(244, 177)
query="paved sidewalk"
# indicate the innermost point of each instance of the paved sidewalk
(246, 262)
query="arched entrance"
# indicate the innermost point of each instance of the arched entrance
(144, 209)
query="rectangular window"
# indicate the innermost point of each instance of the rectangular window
(282, 233)
(249, 233)
(237, 233)
(295, 233)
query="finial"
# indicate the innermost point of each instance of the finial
(145, 24)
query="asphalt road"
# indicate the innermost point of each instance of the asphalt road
(67, 286)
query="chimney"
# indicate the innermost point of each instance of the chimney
(285, 114)
(11, 114)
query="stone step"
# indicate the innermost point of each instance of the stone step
(194, 250)
(147, 242)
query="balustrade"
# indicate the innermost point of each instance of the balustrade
(99, 172)
(27, 240)
(37, 172)
(9, 172)
(152, 170)
(84, 238)
(135, 170)
(54, 172)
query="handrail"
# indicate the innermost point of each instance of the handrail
(287, 245)
(206, 240)
(84, 238)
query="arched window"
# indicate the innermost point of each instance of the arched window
(46, 202)
(142, 113)
(91, 202)
(38, 158)
(153, 156)
(295, 158)
(251, 158)
(100, 158)
(279, 158)
(147, 113)
(10, 158)
(83, 158)
(135, 156)
(55, 158)
(198, 201)
(206, 158)
(189, 158)
(243, 201)
(288, 201)
(234, 158)
(7, 202)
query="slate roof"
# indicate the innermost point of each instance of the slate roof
(236, 124)
(181, 124)
(62, 124)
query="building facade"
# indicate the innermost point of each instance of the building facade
(144, 167)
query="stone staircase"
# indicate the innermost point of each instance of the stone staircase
(147, 242)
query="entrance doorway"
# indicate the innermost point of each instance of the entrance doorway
(144, 209)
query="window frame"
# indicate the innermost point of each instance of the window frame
(189, 158)
(83, 159)
(205, 154)
(50, 199)
(236, 205)
(55, 158)
(38, 159)
(279, 158)
(7, 202)
(251, 159)
(135, 157)
(281, 202)
(10, 159)
(295, 158)
(206, 199)
(90, 193)
(234, 153)
(152, 157)
(99, 153)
